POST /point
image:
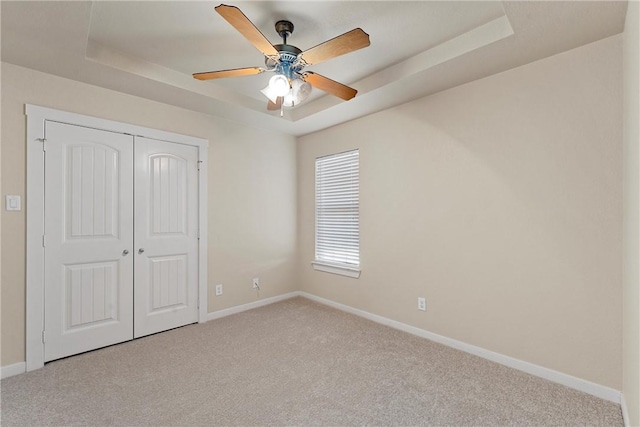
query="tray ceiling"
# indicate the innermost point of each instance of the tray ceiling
(150, 49)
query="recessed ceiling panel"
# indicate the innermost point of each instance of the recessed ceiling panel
(191, 37)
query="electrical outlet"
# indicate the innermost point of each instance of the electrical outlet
(422, 304)
(218, 290)
(256, 283)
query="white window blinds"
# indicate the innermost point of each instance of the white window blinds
(337, 209)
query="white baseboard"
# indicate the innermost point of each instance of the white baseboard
(244, 307)
(625, 411)
(11, 370)
(579, 384)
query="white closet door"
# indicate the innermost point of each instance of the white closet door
(166, 236)
(89, 244)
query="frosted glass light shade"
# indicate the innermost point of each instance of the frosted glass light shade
(300, 90)
(288, 100)
(279, 84)
(269, 93)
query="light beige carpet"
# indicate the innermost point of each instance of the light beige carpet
(290, 363)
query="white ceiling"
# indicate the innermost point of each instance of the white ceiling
(150, 49)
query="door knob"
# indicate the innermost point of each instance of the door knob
(141, 250)
(125, 252)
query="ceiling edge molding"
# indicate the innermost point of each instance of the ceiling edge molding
(112, 58)
(476, 38)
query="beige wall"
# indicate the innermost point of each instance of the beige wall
(499, 201)
(631, 286)
(252, 206)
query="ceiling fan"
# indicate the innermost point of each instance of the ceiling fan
(291, 83)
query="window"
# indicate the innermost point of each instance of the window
(337, 214)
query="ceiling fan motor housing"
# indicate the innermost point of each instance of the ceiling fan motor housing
(288, 54)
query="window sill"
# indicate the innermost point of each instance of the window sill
(340, 269)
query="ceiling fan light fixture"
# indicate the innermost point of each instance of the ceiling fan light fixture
(289, 100)
(269, 93)
(300, 90)
(279, 85)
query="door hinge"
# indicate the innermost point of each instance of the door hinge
(44, 335)
(44, 240)
(199, 162)
(44, 145)
(198, 234)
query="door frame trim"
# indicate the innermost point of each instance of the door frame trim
(36, 118)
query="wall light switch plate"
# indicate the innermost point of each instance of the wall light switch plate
(13, 203)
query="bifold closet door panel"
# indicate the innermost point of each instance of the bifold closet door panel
(88, 239)
(166, 236)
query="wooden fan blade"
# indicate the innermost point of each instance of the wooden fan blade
(240, 22)
(275, 106)
(330, 86)
(237, 72)
(347, 42)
